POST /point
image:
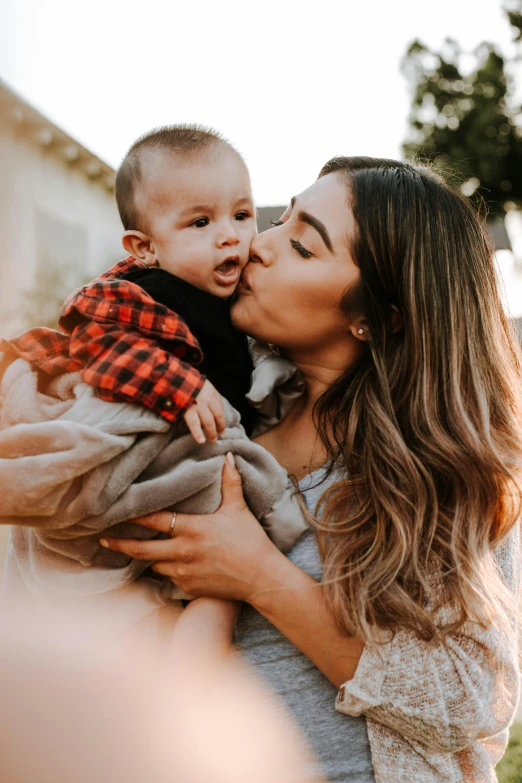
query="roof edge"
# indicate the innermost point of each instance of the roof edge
(41, 131)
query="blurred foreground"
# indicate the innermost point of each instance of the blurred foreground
(79, 706)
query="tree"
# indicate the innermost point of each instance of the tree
(465, 123)
(513, 9)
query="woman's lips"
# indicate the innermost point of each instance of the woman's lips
(228, 272)
(243, 287)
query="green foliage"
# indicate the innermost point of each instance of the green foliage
(463, 122)
(510, 768)
(513, 9)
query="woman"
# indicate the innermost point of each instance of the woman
(378, 282)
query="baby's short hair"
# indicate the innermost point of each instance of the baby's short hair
(174, 138)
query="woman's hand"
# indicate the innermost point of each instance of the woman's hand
(226, 554)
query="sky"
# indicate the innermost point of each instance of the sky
(290, 83)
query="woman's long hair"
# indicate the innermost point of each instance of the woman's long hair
(428, 424)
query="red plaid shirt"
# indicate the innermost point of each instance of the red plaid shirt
(126, 345)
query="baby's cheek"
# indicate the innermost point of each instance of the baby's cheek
(250, 235)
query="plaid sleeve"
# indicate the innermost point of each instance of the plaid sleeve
(125, 365)
(114, 301)
(46, 349)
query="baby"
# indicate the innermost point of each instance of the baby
(155, 330)
(185, 201)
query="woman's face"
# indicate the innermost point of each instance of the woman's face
(291, 289)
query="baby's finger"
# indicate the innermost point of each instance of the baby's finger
(218, 411)
(193, 422)
(207, 422)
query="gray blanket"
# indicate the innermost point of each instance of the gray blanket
(74, 467)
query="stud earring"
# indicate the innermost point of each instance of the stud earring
(360, 331)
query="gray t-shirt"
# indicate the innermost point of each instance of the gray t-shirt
(339, 741)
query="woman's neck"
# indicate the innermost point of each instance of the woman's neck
(295, 442)
(320, 369)
(317, 380)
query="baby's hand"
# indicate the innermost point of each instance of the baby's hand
(207, 414)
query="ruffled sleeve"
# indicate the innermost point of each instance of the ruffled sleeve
(446, 694)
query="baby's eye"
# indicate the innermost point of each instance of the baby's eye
(200, 222)
(242, 215)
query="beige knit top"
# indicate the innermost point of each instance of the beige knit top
(439, 712)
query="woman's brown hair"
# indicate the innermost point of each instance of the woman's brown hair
(428, 425)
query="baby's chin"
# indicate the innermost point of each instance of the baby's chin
(219, 291)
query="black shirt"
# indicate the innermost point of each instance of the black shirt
(227, 363)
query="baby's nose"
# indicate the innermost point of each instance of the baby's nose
(228, 235)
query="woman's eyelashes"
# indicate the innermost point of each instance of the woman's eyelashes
(300, 249)
(295, 244)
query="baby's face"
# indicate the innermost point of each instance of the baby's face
(199, 215)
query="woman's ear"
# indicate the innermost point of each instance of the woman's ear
(360, 330)
(139, 245)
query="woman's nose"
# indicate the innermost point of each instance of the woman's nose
(259, 252)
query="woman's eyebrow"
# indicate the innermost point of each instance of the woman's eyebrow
(305, 217)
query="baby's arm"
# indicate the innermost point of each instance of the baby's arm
(202, 637)
(125, 365)
(133, 348)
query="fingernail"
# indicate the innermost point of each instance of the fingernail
(230, 459)
(104, 542)
(201, 440)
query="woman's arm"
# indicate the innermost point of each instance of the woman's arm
(295, 603)
(442, 695)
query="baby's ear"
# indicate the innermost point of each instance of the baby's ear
(140, 246)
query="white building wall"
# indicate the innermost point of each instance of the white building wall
(51, 212)
(48, 208)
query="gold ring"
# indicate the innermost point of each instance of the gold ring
(172, 523)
